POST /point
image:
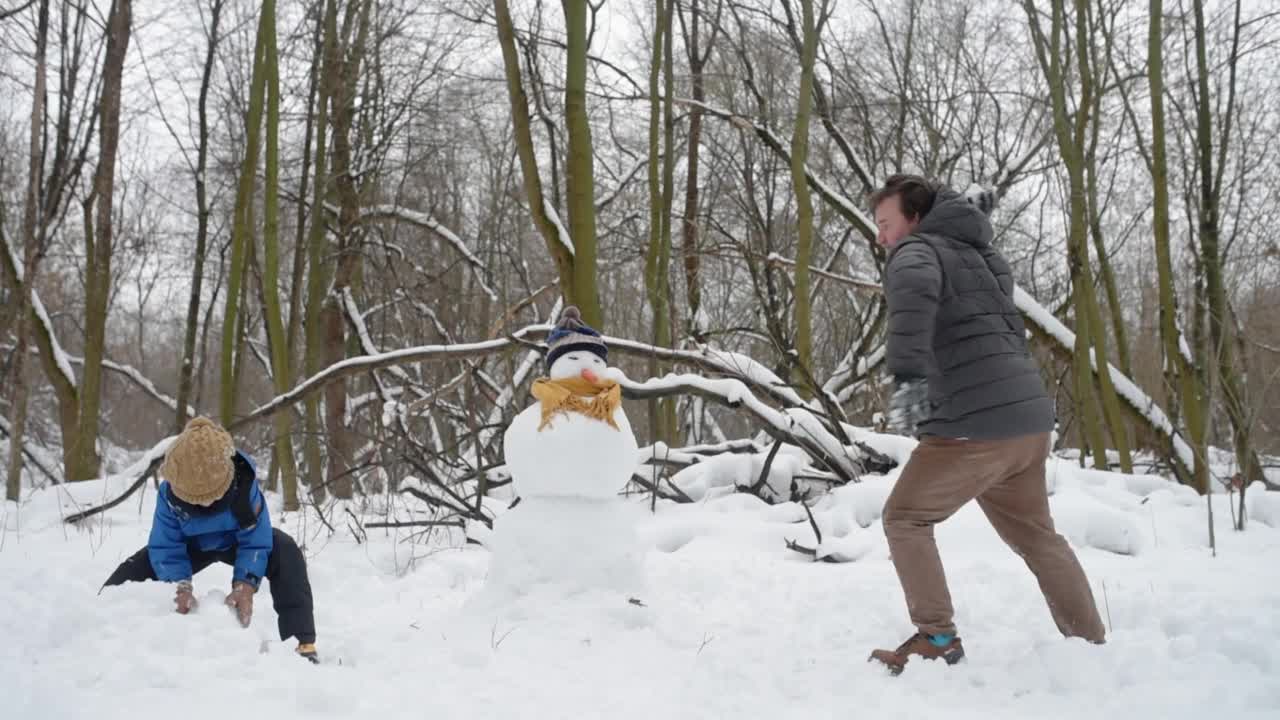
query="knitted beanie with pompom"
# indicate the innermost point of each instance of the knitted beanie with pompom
(198, 466)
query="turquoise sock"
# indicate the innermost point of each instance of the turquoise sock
(941, 640)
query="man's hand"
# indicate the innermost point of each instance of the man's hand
(185, 599)
(241, 600)
(909, 406)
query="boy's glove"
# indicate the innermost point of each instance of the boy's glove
(185, 599)
(241, 600)
(909, 406)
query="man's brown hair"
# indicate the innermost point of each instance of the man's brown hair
(917, 193)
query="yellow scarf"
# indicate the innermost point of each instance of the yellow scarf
(578, 395)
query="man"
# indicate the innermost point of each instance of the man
(210, 509)
(967, 385)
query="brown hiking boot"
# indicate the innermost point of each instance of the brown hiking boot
(919, 644)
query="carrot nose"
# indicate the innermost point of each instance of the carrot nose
(590, 376)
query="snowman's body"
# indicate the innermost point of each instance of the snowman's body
(571, 528)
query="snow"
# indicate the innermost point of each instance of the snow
(60, 358)
(733, 623)
(727, 471)
(562, 234)
(754, 372)
(799, 423)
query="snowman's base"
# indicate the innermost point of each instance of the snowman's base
(569, 545)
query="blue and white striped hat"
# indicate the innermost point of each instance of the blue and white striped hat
(570, 334)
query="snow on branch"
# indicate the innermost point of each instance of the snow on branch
(842, 204)
(424, 220)
(1128, 390)
(795, 425)
(60, 357)
(15, 267)
(145, 467)
(366, 363)
(356, 318)
(142, 381)
(561, 233)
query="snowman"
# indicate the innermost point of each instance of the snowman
(569, 454)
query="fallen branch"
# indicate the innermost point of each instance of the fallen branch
(142, 480)
(811, 552)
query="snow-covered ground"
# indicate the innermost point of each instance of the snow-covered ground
(734, 624)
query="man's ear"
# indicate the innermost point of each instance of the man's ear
(982, 198)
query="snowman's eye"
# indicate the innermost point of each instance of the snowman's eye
(572, 357)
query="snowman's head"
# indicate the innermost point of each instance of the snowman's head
(574, 349)
(578, 363)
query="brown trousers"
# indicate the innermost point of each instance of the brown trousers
(1007, 479)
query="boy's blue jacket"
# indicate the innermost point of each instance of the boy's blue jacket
(179, 528)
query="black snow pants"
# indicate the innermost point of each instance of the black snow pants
(286, 573)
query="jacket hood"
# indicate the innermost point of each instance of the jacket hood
(953, 216)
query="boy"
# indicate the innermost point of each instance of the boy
(210, 509)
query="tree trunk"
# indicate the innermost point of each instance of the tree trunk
(1091, 89)
(689, 221)
(579, 175)
(804, 202)
(560, 248)
(281, 371)
(31, 213)
(1211, 255)
(317, 248)
(1071, 133)
(242, 233)
(1180, 376)
(342, 92)
(655, 273)
(98, 265)
(296, 352)
(186, 370)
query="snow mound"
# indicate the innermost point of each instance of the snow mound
(734, 470)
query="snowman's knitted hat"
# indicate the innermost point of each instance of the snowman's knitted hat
(570, 334)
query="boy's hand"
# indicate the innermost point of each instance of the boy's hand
(185, 599)
(241, 600)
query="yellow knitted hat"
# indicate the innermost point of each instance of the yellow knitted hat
(198, 466)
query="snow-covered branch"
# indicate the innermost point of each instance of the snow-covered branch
(136, 377)
(562, 234)
(849, 210)
(13, 267)
(425, 221)
(1128, 390)
(366, 363)
(794, 425)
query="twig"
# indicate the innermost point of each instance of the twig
(416, 523)
(358, 536)
(768, 465)
(1106, 602)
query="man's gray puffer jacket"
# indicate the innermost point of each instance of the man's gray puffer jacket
(952, 321)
